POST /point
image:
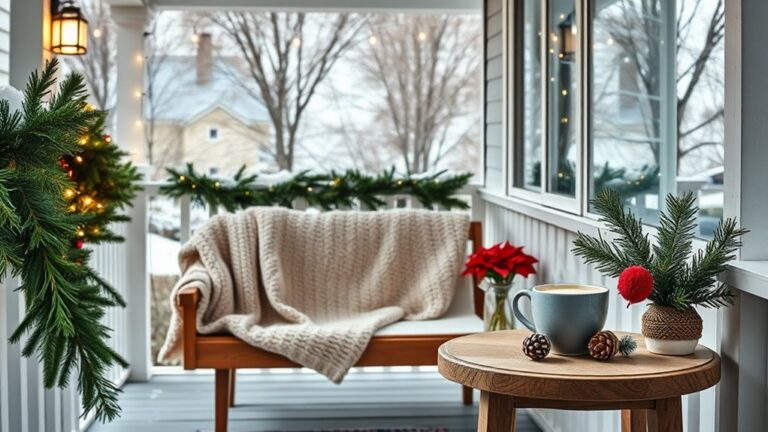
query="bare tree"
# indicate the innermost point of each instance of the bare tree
(98, 65)
(425, 72)
(637, 31)
(157, 93)
(287, 56)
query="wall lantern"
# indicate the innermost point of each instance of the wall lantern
(568, 37)
(69, 29)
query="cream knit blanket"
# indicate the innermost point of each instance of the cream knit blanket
(316, 287)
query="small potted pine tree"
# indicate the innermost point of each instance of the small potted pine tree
(668, 273)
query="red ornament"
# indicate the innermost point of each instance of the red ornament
(635, 284)
(79, 244)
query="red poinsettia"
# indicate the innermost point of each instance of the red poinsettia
(500, 263)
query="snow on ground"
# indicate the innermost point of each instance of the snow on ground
(163, 255)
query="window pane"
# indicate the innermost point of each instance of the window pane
(562, 95)
(628, 120)
(530, 94)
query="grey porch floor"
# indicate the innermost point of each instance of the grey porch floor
(299, 401)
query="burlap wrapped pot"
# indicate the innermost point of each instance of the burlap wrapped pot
(670, 331)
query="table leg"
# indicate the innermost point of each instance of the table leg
(634, 420)
(669, 413)
(496, 414)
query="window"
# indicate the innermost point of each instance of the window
(643, 103)
(213, 134)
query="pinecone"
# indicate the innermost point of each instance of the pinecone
(604, 345)
(536, 346)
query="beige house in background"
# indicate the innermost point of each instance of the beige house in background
(203, 116)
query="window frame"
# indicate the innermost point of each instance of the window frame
(575, 204)
(579, 203)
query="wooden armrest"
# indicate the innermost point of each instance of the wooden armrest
(188, 298)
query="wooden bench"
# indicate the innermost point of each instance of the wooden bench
(405, 343)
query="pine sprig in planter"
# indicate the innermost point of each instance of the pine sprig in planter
(681, 279)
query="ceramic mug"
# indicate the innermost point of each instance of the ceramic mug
(568, 314)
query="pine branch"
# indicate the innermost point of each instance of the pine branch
(631, 240)
(674, 244)
(608, 259)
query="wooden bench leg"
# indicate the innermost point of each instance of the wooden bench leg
(232, 378)
(466, 395)
(634, 420)
(496, 413)
(222, 399)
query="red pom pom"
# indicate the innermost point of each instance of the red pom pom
(79, 244)
(635, 284)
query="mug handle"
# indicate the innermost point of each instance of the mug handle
(516, 309)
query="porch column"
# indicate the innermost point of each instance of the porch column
(130, 21)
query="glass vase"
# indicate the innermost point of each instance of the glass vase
(497, 313)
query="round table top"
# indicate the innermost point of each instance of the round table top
(495, 362)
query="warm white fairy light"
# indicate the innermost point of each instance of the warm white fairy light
(296, 42)
(422, 36)
(195, 38)
(97, 33)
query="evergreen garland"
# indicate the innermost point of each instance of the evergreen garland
(64, 300)
(681, 279)
(104, 185)
(328, 191)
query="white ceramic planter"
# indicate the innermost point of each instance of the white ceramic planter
(671, 347)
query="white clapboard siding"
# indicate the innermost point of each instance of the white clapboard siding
(552, 246)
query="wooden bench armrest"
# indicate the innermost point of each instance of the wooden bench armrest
(188, 298)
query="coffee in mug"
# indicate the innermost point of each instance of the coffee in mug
(568, 314)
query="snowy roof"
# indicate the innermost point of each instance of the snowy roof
(180, 99)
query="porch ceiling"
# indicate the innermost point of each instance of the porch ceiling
(319, 5)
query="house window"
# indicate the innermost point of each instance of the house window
(213, 134)
(638, 93)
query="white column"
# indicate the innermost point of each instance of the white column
(130, 22)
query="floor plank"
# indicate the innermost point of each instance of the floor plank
(299, 401)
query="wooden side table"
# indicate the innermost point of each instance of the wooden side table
(646, 387)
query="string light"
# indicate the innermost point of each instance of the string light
(217, 185)
(564, 120)
(564, 92)
(83, 141)
(373, 40)
(195, 38)
(79, 159)
(296, 42)
(137, 93)
(80, 233)
(139, 58)
(182, 179)
(108, 139)
(97, 33)
(69, 193)
(422, 36)
(309, 188)
(87, 201)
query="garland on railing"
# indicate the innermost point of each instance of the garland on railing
(327, 191)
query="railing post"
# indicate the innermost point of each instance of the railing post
(185, 227)
(137, 299)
